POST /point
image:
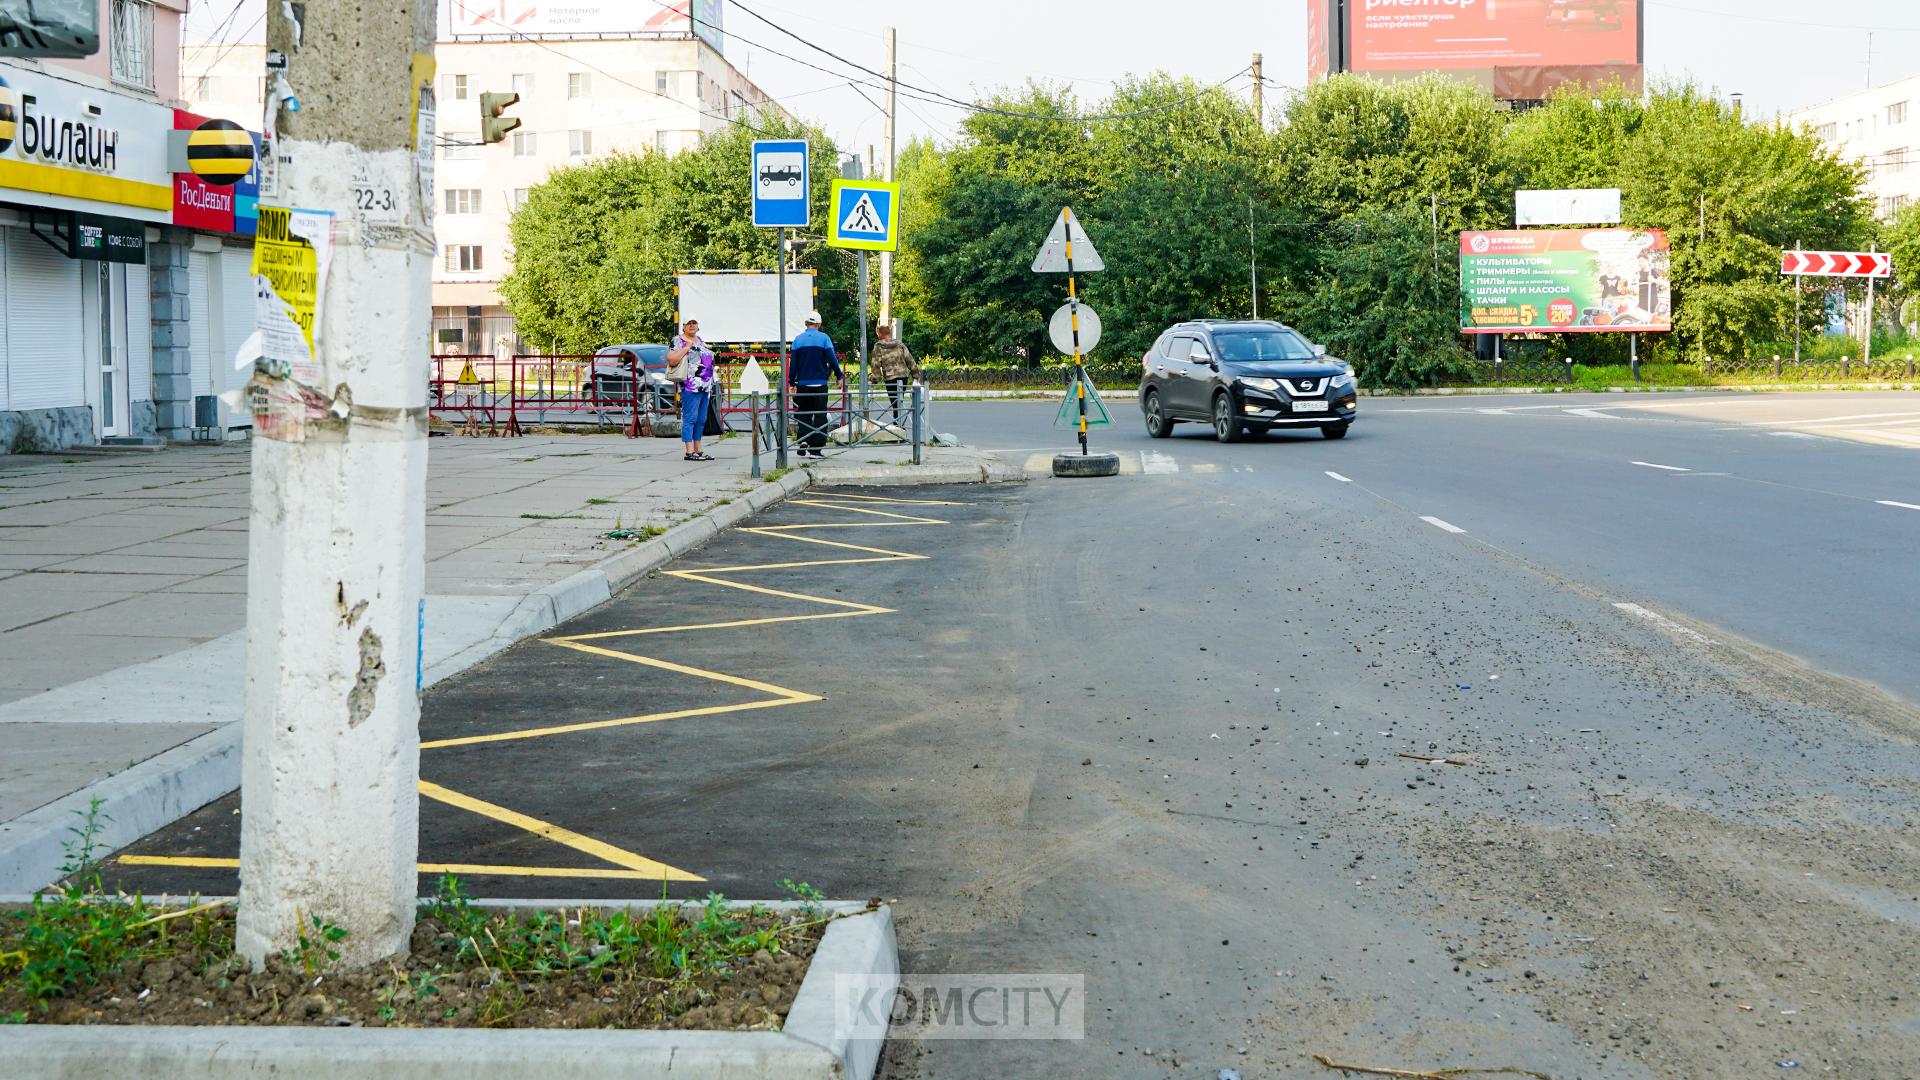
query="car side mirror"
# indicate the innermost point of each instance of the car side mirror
(1319, 351)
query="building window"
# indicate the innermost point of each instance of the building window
(519, 197)
(1897, 113)
(579, 85)
(463, 259)
(202, 88)
(1897, 160)
(463, 200)
(663, 83)
(459, 92)
(132, 32)
(663, 141)
(1829, 132)
(699, 86)
(523, 85)
(526, 144)
(736, 105)
(1891, 205)
(579, 143)
(461, 146)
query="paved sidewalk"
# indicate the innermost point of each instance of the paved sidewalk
(123, 594)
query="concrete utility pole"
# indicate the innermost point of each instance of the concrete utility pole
(336, 567)
(1259, 92)
(893, 110)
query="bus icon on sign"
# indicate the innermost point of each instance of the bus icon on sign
(770, 176)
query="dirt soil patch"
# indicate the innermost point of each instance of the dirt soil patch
(1699, 946)
(703, 967)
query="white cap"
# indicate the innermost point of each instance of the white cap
(813, 318)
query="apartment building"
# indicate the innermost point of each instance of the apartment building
(594, 77)
(1880, 129)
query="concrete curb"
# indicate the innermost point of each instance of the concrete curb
(168, 786)
(915, 475)
(860, 945)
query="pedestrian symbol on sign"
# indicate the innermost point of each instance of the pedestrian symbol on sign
(863, 218)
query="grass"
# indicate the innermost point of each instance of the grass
(598, 502)
(81, 934)
(554, 517)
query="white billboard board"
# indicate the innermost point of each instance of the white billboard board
(1571, 206)
(743, 307)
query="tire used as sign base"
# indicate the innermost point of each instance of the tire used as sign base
(1071, 465)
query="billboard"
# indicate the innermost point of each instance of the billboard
(568, 17)
(1566, 281)
(1522, 49)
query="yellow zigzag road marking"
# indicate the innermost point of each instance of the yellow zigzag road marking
(632, 866)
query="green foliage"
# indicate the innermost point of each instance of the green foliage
(313, 949)
(596, 246)
(1731, 195)
(806, 895)
(1384, 303)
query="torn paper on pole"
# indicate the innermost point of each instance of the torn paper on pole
(291, 254)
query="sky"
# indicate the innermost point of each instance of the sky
(1781, 55)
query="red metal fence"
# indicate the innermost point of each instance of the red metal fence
(479, 393)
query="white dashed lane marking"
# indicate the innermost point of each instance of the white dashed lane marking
(1667, 468)
(1438, 524)
(1342, 479)
(1901, 505)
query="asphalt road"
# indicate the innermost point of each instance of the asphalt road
(1156, 730)
(1764, 515)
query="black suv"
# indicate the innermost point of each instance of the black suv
(1244, 377)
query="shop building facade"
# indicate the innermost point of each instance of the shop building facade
(115, 302)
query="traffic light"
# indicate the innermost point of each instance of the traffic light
(493, 125)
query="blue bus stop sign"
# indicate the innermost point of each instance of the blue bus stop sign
(780, 182)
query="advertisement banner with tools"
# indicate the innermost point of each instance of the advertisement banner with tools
(1566, 281)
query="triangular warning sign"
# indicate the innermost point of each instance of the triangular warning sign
(864, 218)
(1097, 415)
(467, 377)
(1053, 254)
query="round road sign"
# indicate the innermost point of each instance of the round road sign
(1060, 328)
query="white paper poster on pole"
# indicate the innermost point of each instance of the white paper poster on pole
(291, 254)
(1571, 206)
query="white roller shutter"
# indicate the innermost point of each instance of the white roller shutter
(45, 364)
(236, 309)
(139, 335)
(200, 322)
(3, 321)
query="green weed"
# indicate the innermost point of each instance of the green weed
(314, 951)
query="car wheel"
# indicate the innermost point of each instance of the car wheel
(1226, 426)
(1158, 425)
(1335, 431)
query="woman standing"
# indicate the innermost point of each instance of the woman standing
(696, 389)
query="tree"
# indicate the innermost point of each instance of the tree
(596, 246)
(1381, 301)
(1731, 195)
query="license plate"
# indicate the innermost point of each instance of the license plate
(1309, 406)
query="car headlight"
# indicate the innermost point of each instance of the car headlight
(1342, 380)
(1261, 384)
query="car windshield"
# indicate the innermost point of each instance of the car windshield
(1250, 346)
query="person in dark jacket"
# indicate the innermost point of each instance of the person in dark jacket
(811, 366)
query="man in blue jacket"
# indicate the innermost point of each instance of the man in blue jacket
(811, 365)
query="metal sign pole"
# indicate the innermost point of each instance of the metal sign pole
(1079, 375)
(755, 398)
(866, 402)
(1799, 294)
(780, 455)
(1869, 349)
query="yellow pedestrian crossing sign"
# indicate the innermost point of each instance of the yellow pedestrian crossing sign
(864, 215)
(467, 377)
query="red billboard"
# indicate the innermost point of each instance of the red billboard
(1524, 47)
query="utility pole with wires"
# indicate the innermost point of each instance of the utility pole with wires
(336, 567)
(893, 115)
(1259, 93)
